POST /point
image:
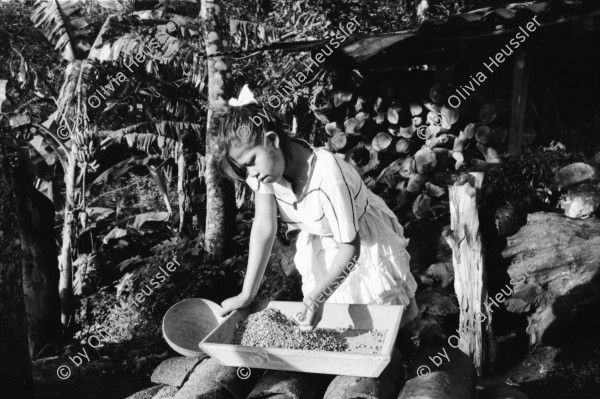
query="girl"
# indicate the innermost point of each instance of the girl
(351, 248)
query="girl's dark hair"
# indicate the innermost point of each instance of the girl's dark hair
(246, 126)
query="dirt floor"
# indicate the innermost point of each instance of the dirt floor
(572, 371)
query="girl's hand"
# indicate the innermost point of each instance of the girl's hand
(311, 314)
(234, 303)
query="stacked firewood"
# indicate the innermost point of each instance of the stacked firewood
(407, 151)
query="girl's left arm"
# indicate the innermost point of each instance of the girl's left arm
(343, 264)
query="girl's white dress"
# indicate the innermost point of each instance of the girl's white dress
(334, 206)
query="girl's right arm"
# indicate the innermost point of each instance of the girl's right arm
(262, 235)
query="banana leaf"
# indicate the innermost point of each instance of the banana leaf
(149, 217)
(62, 23)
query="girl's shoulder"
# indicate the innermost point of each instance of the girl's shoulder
(333, 169)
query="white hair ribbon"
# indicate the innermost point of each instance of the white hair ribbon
(246, 97)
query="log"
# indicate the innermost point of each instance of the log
(408, 131)
(402, 146)
(475, 323)
(382, 141)
(407, 167)
(332, 129)
(425, 160)
(422, 206)
(353, 125)
(441, 373)
(416, 183)
(554, 260)
(386, 386)
(342, 142)
(338, 141)
(575, 173)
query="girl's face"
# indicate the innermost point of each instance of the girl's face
(265, 162)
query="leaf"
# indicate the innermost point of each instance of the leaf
(115, 233)
(96, 214)
(166, 128)
(42, 148)
(114, 172)
(152, 143)
(62, 23)
(149, 217)
(341, 97)
(158, 46)
(246, 34)
(78, 76)
(128, 262)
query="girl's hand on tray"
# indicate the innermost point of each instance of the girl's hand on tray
(311, 315)
(236, 302)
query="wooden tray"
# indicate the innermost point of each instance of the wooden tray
(356, 363)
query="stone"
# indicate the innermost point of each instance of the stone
(147, 393)
(237, 381)
(167, 392)
(386, 386)
(174, 371)
(441, 373)
(202, 383)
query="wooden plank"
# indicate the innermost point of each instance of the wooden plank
(519, 101)
(360, 318)
(475, 322)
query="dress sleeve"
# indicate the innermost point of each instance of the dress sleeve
(338, 206)
(258, 187)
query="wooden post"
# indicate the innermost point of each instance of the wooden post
(519, 102)
(475, 323)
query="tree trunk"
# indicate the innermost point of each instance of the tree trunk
(475, 324)
(16, 380)
(219, 192)
(65, 264)
(555, 273)
(185, 203)
(40, 265)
